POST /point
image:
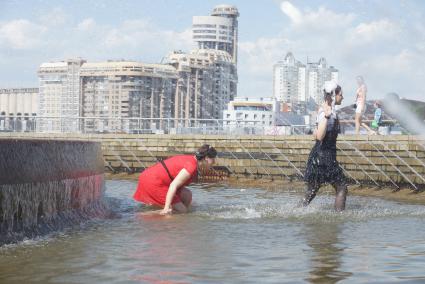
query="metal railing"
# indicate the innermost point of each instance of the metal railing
(137, 125)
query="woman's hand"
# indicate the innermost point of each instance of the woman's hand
(166, 211)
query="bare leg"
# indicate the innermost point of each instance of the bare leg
(358, 121)
(368, 129)
(179, 208)
(186, 197)
(310, 193)
(340, 196)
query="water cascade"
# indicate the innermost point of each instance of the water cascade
(47, 185)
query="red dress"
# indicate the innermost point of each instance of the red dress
(154, 181)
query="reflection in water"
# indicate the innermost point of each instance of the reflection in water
(326, 259)
(165, 250)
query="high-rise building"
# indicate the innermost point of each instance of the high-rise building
(122, 95)
(289, 80)
(207, 82)
(224, 80)
(317, 74)
(218, 31)
(217, 39)
(59, 103)
(294, 82)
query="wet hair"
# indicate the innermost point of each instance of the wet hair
(205, 151)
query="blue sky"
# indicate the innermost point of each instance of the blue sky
(382, 40)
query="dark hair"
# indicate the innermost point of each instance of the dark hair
(336, 91)
(205, 151)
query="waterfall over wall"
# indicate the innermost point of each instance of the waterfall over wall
(46, 185)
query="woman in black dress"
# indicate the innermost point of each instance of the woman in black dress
(322, 166)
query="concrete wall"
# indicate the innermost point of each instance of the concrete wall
(394, 160)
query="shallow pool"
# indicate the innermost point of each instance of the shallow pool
(234, 235)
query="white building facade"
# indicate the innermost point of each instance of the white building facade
(317, 74)
(259, 112)
(294, 82)
(289, 80)
(218, 31)
(96, 97)
(59, 102)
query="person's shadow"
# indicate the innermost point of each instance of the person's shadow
(323, 239)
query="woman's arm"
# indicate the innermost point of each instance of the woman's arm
(182, 177)
(321, 129)
(323, 122)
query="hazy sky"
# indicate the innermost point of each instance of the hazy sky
(382, 40)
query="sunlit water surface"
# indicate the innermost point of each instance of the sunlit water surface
(233, 236)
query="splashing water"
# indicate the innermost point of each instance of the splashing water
(248, 235)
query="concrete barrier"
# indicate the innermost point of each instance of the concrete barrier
(394, 160)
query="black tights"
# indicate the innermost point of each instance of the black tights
(340, 195)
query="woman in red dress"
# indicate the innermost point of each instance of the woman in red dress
(163, 184)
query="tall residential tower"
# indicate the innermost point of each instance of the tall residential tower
(294, 82)
(216, 37)
(289, 80)
(218, 31)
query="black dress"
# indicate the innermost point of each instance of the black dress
(322, 166)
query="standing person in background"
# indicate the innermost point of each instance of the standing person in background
(163, 184)
(360, 102)
(377, 119)
(322, 166)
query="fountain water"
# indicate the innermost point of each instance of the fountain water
(352, 160)
(274, 162)
(396, 168)
(236, 158)
(255, 160)
(286, 158)
(373, 164)
(132, 153)
(403, 161)
(46, 185)
(124, 163)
